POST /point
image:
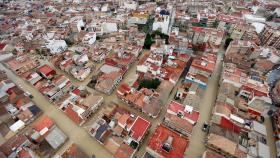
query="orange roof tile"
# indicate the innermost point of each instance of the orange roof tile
(44, 122)
(124, 151)
(123, 119)
(73, 115)
(179, 143)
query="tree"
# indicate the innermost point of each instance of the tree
(227, 42)
(69, 41)
(149, 83)
(148, 26)
(198, 25)
(215, 24)
(195, 49)
(148, 41)
(145, 29)
(161, 35)
(271, 17)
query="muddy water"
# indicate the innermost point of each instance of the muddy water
(270, 137)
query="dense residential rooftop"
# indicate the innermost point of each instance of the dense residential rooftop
(126, 78)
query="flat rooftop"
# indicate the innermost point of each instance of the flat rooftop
(179, 143)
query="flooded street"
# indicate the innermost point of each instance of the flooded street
(270, 137)
(75, 133)
(80, 136)
(196, 146)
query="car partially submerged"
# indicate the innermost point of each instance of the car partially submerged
(28, 94)
(205, 127)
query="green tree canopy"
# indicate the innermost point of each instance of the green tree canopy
(227, 42)
(149, 83)
(148, 41)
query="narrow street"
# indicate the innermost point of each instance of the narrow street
(196, 146)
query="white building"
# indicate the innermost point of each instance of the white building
(80, 59)
(253, 18)
(89, 38)
(105, 7)
(162, 21)
(109, 27)
(271, 54)
(130, 5)
(80, 24)
(77, 1)
(56, 46)
(142, 68)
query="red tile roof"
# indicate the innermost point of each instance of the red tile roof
(123, 119)
(211, 154)
(139, 128)
(185, 56)
(49, 14)
(45, 121)
(110, 62)
(76, 91)
(2, 46)
(225, 123)
(258, 89)
(124, 151)
(197, 29)
(24, 154)
(22, 101)
(176, 107)
(11, 144)
(74, 152)
(179, 143)
(73, 115)
(123, 88)
(20, 62)
(209, 63)
(46, 70)
(179, 123)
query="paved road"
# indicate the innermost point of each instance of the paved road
(75, 133)
(197, 147)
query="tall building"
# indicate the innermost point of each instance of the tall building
(239, 52)
(270, 37)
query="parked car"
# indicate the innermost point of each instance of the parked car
(28, 94)
(205, 127)
(270, 113)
